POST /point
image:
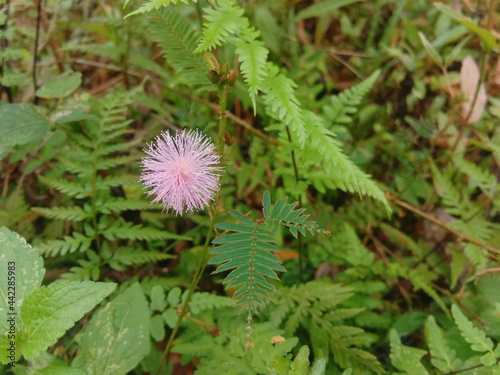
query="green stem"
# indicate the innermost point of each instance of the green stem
(203, 260)
(296, 171)
(222, 119)
(93, 206)
(194, 283)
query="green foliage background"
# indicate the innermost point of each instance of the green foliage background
(357, 226)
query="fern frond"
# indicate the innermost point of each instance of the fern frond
(130, 257)
(208, 301)
(341, 107)
(78, 166)
(219, 24)
(128, 231)
(477, 177)
(78, 242)
(443, 358)
(473, 335)
(124, 204)
(284, 214)
(347, 176)
(112, 181)
(406, 358)
(248, 252)
(109, 163)
(63, 213)
(150, 5)
(314, 307)
(281, 102)
(178, 41)
(253, 58)
(69, 188)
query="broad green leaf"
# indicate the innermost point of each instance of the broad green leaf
(117, 337)
(49, 311)
(28, 275)
(20, 124)
(61, 86)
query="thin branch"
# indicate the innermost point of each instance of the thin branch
(461, 236)
(35, 52)
(296, 172)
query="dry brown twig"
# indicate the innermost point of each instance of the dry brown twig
(460, 236)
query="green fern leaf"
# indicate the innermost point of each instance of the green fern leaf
(341, 107)
(128, 231)
(313, 306)
(178, 41)
(448, 192)
(405, 358)
(130, 257)
(253, 58)
(219, 24)
(112, 181)
(124, 204)
(150, 5)
(323, 146)
(443, 358)
(248, 253)
(69, 188)
(477, 177)
(474, 336)
(78, 242)
(207, 301)
(281, 102)
(63, 213)
(112, 162)
(284, 214)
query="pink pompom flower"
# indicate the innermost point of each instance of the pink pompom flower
(181, 171)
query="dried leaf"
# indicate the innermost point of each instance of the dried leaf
(469, 78)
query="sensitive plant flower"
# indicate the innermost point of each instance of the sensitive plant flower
(181, 171)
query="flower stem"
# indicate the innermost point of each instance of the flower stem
(194, 283)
